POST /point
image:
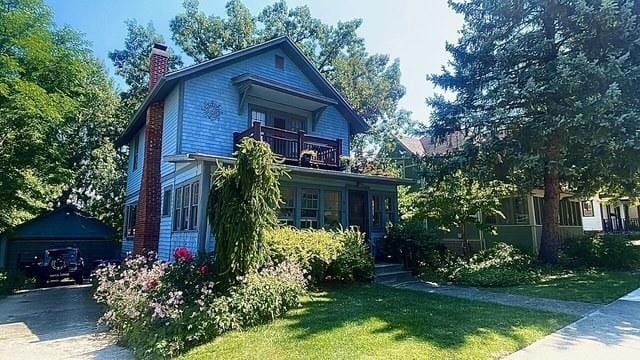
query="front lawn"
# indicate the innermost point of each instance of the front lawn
(372, 321)
(591, 286)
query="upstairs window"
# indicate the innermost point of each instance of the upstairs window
(259, 116)
(136, 150)
(279, 62)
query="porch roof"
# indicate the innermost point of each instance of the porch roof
(298, 170)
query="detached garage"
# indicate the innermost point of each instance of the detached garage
(64, 227)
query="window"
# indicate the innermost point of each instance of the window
(136, 150)
(332, 205)
(279, 62)
(259, 116)
(186, 197)
(538, 203)
(520, 210)
(389, 208)
(195, 194)
(130, 213)
(376, 210)
(587, 208)
(166, 202)
(570, 213)
(309, 211)
(185, 212)
(177, 212)
(288, 206)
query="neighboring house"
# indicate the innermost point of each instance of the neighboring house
(603, 214)
(191, 121)
(522, 225)
(62, 227)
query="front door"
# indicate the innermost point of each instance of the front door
(358, 215)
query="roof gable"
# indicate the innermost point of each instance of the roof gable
(168, 82)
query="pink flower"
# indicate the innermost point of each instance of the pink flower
(204, 270)
(183, 254)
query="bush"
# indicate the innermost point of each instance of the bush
(412, 244)
(501, 265)
(338, 255)
(159, 309)
(11, 281)
(614, 252)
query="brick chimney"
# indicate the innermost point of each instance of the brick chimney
(148, 213)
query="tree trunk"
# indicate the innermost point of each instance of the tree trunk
(465, 241)
(550, 243)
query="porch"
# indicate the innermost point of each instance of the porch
(324, 153)
(613, 225)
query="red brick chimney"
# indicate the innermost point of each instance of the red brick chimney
(148, 213)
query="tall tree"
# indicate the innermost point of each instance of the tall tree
(56, 113)
(549, 93)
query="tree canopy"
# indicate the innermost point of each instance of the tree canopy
(548, 92)
(57, 108)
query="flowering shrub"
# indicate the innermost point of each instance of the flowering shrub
(336, 255)
(161, 309)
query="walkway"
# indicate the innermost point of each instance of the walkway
(54, 323)
(613, 332)
(558, 306)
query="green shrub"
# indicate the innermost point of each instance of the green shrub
(412, 244)
(354, 261)
(614, 252)
(323, 254)
(11, 281)
(501, 265)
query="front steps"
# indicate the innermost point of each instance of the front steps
(392, 274)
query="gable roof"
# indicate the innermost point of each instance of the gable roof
(169, 81)
(426, 145)
(64, 223)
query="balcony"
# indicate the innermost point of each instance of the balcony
(290, 145)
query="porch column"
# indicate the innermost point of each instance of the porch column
(532, 222)
(205, 190)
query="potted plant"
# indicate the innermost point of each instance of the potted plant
(345, 163)
(306, 156)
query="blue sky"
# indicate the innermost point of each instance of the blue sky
(413, 30)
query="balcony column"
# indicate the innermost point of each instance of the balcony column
(338, 151)
(300, 142)
(257, 130)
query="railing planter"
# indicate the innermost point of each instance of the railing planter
(297, 148)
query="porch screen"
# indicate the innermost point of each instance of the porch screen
(310, 209)
(332, 202)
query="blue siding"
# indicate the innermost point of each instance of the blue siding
(134, 177)
(203, 135)
(170, 129)
(170, 240)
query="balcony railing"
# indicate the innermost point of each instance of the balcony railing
(290, 145)
(619, 225)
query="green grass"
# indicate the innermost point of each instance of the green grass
(376, 322)
(599, 287)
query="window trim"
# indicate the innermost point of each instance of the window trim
(592, 213)
(271, 114)
(167, 203)
(130, 232)
(184, 212)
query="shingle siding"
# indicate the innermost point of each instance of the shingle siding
(170, 130)
(134, 177)
(215, 136)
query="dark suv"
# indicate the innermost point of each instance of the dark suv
(60, 263)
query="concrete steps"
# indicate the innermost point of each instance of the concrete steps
(389, 274)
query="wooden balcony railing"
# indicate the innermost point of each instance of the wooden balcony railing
(290, 145)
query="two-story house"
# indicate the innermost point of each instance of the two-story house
(191, 120)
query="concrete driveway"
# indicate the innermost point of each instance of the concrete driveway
(54, 323)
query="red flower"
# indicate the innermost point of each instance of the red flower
(183, 254)
(152, 284)
(204, 270)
